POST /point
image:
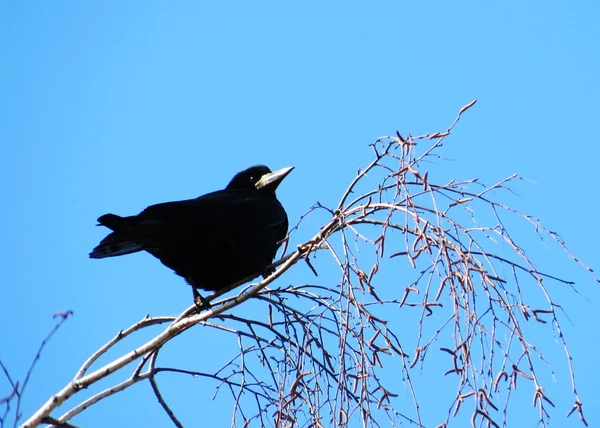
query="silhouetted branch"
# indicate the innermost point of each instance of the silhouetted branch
(17, 388)
(318, 356)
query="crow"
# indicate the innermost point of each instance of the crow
(212, 241)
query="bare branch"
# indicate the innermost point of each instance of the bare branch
(318, 356)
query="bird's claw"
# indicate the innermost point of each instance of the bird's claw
(200, 302)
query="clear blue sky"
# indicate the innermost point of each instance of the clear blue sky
(112, 106)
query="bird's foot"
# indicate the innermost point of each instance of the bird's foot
(268, 271)
(200, 302)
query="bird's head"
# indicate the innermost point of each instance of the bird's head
(260, 178)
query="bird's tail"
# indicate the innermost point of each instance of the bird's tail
(120, 241)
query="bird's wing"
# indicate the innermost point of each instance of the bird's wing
(221, 208)
(213, 213)
(218, 228)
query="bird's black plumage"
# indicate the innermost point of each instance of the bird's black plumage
(212, 241)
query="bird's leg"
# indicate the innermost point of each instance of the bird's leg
(200, 302)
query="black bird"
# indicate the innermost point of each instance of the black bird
(212, 241)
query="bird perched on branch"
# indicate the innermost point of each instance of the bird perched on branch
(212, 241)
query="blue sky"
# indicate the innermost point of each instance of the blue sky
(113, 106)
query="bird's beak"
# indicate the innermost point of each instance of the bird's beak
(270, 181)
